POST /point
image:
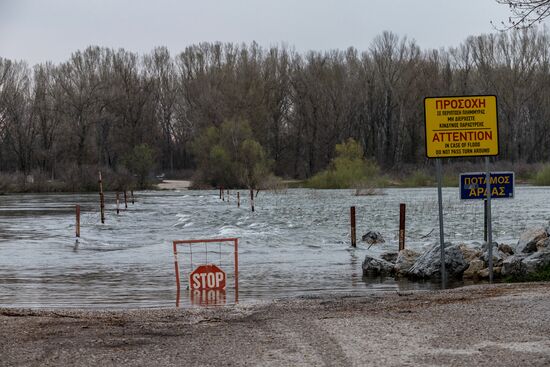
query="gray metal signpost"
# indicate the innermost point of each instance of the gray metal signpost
(489, 229)
(461, 126)
(441, 233)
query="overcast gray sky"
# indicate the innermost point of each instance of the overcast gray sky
(42, 30)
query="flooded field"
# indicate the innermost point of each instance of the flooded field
(296, 243)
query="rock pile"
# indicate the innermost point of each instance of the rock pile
(530, 254)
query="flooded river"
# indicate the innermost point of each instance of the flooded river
(296, 243)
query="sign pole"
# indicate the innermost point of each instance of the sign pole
(441, 233)
(462, 126)
(489, 229)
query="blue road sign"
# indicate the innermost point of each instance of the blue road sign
(473, 185)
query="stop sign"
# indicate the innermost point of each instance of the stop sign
(207, 277)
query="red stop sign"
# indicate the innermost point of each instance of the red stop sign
(207, 277)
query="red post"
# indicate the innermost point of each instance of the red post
(353, 233)
(401, 227)
(177, 269)
(101, 199)
(236, 270)
(78, 221)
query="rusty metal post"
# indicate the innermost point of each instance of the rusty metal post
(176, 268)
(125, 200)
(252, 199)
(77, 222)
(402, 208)
(220, 192)
(117, 202)
(223, 194)
(352, 220)
(228, 196)
(101, 199)
(236, 270)
(132, 196)
(238, 199)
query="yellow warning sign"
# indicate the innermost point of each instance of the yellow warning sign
(461, 126)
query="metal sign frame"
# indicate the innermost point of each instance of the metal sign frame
(508, 187)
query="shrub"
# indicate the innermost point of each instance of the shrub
(542, 275)
(140, 162)
(348, 170)
(418, 179)
(229, 155)
(542, 178)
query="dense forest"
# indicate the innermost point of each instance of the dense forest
(108, 109)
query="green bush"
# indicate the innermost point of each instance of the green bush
(348, 170)
(418, 179)
(542, 178)
(140, 161)
(542, 275)
(229, 155)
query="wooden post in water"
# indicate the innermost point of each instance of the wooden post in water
(101, 199)
(77, 222)
(117, 202)
(401, 227)
(125, 199)
(353, 234)
(238, 199)
(221, 192)
(252, 199)
(485, 220)
(227, 196)
(132, 196)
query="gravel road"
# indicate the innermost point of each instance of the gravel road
(486, 325)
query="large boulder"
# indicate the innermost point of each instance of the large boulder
(470, 253)
(373, 266)
(474, 268)
(536, 261)
(372, 237)
(498, 257)
(507, 249)
(543, 245)
(405, 260)
(530, 239)
(497, 270)
(428, 265)
(389, 256)
(514, 265)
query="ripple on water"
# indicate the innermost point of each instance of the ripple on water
(294, 244)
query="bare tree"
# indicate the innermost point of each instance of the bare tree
(525, 13)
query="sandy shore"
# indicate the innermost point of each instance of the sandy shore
(174, 185)
(491, 325)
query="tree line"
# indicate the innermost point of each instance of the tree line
(93, 110)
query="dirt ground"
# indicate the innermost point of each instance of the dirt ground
(489, 325)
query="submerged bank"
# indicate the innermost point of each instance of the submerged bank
(490, 325)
